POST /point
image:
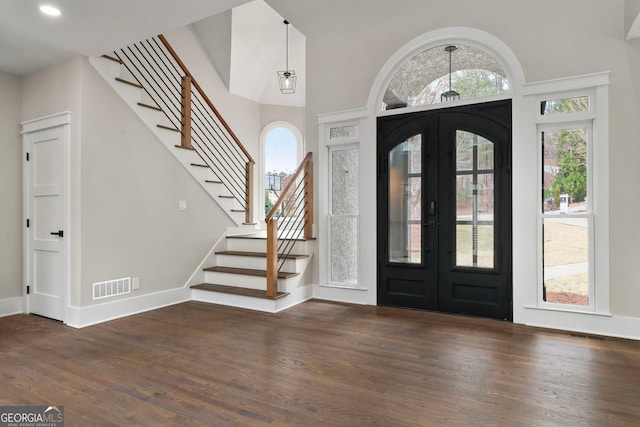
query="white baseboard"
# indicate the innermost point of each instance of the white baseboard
(296, 297)
(345, 295)
(612, 326)
(80, 317)
(11, 306)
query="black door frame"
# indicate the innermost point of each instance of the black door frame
(492, 118)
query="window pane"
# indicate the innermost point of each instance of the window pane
(564, 172)
(475, 201)
(423, 78)
(474, 232)
(344, 249)
(566, 260)
(344, 182)
(405, 202)
(564, 105)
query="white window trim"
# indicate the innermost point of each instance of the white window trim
(596, 87)
(263, 152)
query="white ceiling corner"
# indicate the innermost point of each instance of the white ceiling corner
(30, 40)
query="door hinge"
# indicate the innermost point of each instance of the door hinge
(27, 157)
(28, 289)
(28, 223)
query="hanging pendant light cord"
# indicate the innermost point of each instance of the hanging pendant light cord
(450, 69)
(287, 44)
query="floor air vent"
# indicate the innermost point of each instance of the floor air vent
(111, 288)
(589, 337)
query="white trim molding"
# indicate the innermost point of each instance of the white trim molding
(11, 306)
(80, 317)
(462, 35)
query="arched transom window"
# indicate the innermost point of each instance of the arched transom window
(425, 77)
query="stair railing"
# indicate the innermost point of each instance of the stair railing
(159, 70)
(290, 219)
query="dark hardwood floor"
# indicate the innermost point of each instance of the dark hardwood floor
(318, 364)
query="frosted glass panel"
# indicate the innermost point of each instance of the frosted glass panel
(344, 182)
(344, 249)
(343, 132)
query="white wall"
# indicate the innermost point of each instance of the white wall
(349, 41)
(215, 33)
(10, 188)
(50, 91)
(131, 185)
(242, 115)
(125, 189)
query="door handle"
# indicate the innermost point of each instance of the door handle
(59, 233)
(430, 224)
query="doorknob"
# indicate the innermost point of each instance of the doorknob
(57, 233)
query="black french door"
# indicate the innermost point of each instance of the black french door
(444, 210)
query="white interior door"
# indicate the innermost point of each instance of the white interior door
(46, 195)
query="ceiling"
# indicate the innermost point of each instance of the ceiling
(30, 40)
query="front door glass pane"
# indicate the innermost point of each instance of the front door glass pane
(475, 201)
(405, 202)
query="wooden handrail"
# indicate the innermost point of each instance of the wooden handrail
(272, 223)
(206, 98)
(287, 187)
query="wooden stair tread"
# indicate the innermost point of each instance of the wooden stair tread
(255, 293)
(185, 148)
(153, 107)
(210, 181)
(138, 85)
(248, 272)
(168, 128)
(259, 254)
(226, 196)
(264, 237)
(112, 58)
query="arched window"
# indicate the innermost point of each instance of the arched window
(425, 77)
(281, 155)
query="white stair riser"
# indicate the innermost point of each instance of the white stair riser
(260, 245)
(256, 263)
(228, 203)
(238, 280)
(248, 282)
(267, 305)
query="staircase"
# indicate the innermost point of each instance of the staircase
(199, 139)
(249, 268)
(237, 273)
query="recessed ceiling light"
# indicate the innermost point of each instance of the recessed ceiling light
(50, 10)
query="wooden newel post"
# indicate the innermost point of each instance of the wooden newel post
(248, 216)
(186, 112)
(308, 199)
(272, 258)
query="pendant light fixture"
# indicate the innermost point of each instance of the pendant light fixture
(450, 95)
(287, 78)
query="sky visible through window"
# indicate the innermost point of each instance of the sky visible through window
(280, 151)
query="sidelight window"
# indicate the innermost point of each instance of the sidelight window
(566, 211)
